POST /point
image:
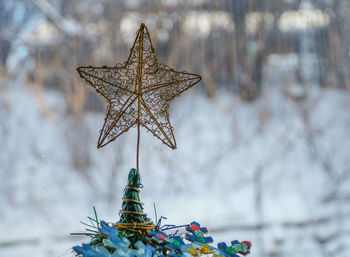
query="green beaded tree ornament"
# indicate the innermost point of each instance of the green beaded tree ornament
(133, 221)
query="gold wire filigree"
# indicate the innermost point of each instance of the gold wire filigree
(138, 92)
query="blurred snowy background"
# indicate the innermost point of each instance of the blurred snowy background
(263, 140)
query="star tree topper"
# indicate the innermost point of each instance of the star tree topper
(138, 92)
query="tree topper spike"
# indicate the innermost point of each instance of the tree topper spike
(138, 92)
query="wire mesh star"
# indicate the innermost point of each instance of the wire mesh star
(138, 92)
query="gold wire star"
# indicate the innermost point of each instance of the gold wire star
(138, 92)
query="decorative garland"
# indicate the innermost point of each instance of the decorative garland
(136, 235)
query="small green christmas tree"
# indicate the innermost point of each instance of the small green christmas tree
(133, 223)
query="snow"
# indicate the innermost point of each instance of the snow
(293, 151)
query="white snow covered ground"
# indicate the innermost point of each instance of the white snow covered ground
(275, 171)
